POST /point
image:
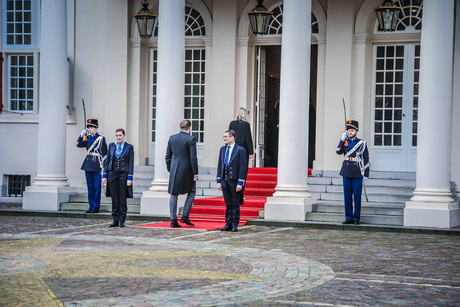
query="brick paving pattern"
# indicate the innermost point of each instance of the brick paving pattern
(54, 261)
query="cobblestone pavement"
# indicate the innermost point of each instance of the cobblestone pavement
(53, 261)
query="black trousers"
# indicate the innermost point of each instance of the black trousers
(232, 202)
(118, 191)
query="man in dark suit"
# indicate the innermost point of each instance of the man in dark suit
(118, 171)
(355, 170)
(232, 169)
(182, 165)
(243, 137)
(96, 150)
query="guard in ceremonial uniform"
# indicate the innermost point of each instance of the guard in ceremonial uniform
(355, 170)
(96, 149)
(232, 170)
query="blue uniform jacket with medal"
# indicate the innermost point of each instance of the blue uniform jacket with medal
(96, 153)
(237, 168)
(356, 158)
(125, 163)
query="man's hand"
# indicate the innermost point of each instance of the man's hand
(251, 156)
(195, 178)
(83, 133)
(365, 179)
(219, 187)
(129, 183)
(239, 188)
(104, 181)
(344, 136)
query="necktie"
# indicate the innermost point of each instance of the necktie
(227, 155)
(118, 152)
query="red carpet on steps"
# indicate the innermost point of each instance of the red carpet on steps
(209, 213)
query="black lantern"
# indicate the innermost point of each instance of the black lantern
(387, 15)
(145, 20)
(260, 18)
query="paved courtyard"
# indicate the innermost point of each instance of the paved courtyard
(54, 261)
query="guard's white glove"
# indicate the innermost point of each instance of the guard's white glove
(83, 133)
(365, 179)
(344, 136)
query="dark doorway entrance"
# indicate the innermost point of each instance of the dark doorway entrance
(272, 104)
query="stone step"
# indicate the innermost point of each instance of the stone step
(83, 198)
(375, 198)
(395, 220)
(366, 208)
(407, 191)
(80, 206)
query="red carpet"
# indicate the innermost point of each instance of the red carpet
(209, 213)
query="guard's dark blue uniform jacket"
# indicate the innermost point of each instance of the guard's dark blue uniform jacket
(356, 165)
(237, 169)
(94, 159)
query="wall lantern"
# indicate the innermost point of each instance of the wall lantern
(260, 18)
(387, 15)
(145, 20)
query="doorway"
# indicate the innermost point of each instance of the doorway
(268, 103)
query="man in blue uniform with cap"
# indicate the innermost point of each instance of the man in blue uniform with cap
(96, 151)
(355, 170)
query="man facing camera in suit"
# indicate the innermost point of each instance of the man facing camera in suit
(232, 169)
(118, 171)
(182, 165)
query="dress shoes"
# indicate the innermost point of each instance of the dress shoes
(356, 222)
(88, 211)
(347, 222)
(234, 229)
(226, 228)
(122, 225)
(174, 224)
(113, 225)
(185, 220)
(95, 211)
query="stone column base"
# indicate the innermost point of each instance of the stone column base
(443, 215)
(46, 198)
(157, 203)
(287, 208)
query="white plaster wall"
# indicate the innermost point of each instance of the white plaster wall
(221, 86)
(455, 164)
(338, 74)
(18, 150)
(101, 36)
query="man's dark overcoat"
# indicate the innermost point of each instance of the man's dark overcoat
(181, 162)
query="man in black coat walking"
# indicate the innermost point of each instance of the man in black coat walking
(182, 165)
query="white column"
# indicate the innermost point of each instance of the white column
(320, 126)
(51, 187)
(432, 204)
(292, 199)
(170, 99)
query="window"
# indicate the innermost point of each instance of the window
(194, 87)
(19, 25)
(19, 46)
(21, 83)
(194, 91)
(276, 24)
(16, 184)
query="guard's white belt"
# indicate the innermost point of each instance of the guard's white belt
(351, 159)
(93, 154)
